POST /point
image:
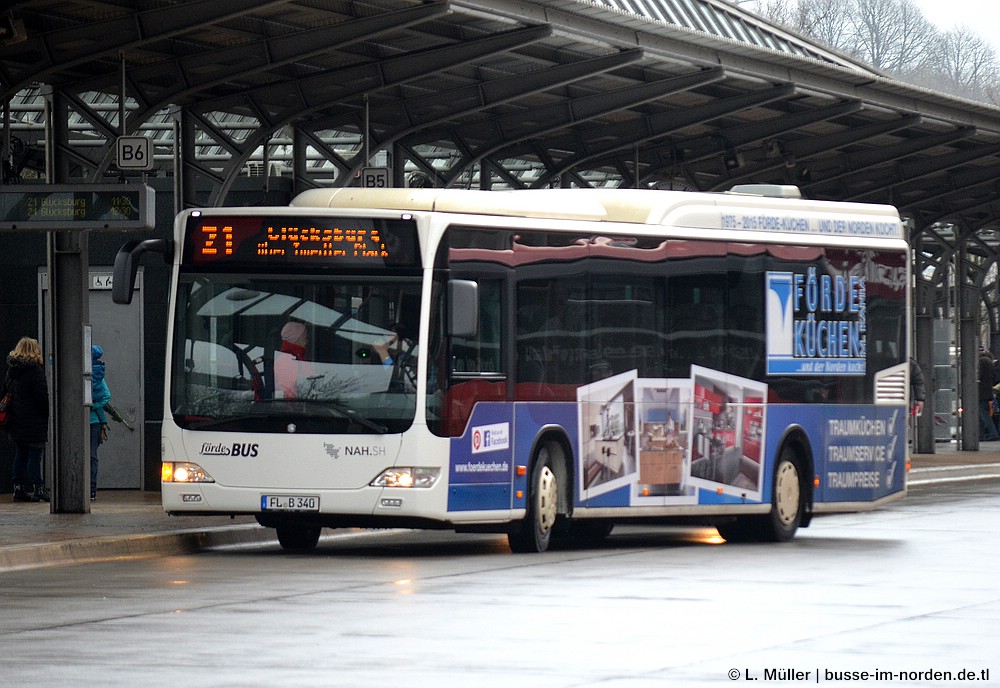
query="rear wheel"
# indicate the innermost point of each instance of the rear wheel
(787, 501)
(787, 507)
(535, 532)
(297, 537)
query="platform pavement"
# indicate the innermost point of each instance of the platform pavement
(131, 523)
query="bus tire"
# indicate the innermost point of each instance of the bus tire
(787, 507)
(787, 500)
(535, 532)
(296, 537)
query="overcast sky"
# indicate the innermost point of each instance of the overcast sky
(982, 16)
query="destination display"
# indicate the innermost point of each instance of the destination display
(89, 206)
(252, 241)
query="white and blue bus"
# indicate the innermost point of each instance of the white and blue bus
(541, 363)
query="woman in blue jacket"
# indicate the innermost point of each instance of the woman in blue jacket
(101, 397)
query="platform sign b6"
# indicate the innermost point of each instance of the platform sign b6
(134, 153)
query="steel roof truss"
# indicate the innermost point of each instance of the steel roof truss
(267, 54)
(333, 86)
(956, 209)
(711, 146)
(64, 49)
(466, 100)
(849, 164)
(800, 151)
(448, 105)
(512, 129)
(662, 125)
(920, 169)
(378, 75)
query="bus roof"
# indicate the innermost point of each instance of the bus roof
(696, 210)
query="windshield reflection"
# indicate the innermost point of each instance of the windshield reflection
(326, 355)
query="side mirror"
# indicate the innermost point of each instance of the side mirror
(463, 308)
(127, 265)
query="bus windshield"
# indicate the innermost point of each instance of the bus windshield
(305, 353)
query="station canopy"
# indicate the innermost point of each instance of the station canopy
(679, 94)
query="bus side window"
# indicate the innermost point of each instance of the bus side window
(695, 329)
(481, 353)
(476, 364)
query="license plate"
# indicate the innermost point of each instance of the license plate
(289, 503)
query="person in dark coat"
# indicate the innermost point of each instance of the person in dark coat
(29, 413)
(987, 430)
(917, 388)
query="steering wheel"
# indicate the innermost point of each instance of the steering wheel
(404, 364)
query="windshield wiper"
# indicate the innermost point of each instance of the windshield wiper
(210, 422)
(355, 417)
(334, 405)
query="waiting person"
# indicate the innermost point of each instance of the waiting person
(987, 430)
(29, 418)
(100, 397)
(917, 388)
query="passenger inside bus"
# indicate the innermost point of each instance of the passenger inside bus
(293, 375)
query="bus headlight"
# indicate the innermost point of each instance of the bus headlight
(184, 472)
(407, 476)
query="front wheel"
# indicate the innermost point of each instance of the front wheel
(298, 538)
(535, 532)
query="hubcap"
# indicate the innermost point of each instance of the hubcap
(548, 493)
(786, 493)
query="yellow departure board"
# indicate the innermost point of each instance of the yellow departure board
(84, 206)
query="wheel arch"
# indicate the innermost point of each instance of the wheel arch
(562, 462)
(796, 440)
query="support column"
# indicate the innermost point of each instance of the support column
(485, 175)
(968, 355)
(68, 261)
(188, 165)
(176, 115)
(924, 354)
(398, 166)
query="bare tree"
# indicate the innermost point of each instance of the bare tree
(963, 63)
(918, 36)
(891, 35)
(825, 20)
(895, 37)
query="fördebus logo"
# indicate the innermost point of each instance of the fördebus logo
(248, 449)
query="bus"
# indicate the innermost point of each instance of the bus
(540, 363)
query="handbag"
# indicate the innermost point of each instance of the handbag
(5, 411)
